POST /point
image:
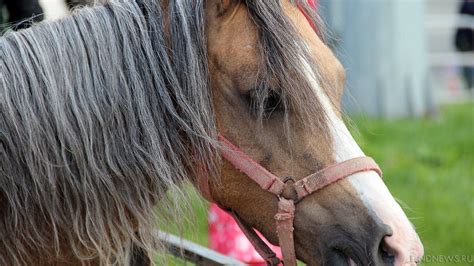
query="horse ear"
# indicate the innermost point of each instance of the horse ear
(224, 6)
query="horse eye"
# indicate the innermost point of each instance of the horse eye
(264, 103)
(272, 103)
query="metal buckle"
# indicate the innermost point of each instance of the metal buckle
(288, 178)
(291, 179)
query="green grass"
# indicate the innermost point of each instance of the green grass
(428, 166)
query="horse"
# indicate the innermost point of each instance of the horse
(105, 113)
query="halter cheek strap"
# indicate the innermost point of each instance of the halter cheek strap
(286, 207)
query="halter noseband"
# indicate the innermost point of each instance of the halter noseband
(286, 206)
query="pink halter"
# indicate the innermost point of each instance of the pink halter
(286, 207)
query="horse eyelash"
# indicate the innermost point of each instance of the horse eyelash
(271, 103)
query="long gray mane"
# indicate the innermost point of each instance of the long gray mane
(100, 115)
(98, 118)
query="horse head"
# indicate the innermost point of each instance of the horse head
(277, 90)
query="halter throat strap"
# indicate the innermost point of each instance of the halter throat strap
(286, 206)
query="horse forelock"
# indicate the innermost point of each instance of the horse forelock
(100, 115)
(285, 55)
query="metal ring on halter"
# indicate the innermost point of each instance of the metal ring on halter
(285, 180)
(288, 178)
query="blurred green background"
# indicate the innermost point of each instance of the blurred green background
(428, 166)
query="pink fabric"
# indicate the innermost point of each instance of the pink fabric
(226, 237)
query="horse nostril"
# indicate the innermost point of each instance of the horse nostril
(386, 253)
(399, 249)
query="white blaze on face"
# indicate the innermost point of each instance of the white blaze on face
(373, 192)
